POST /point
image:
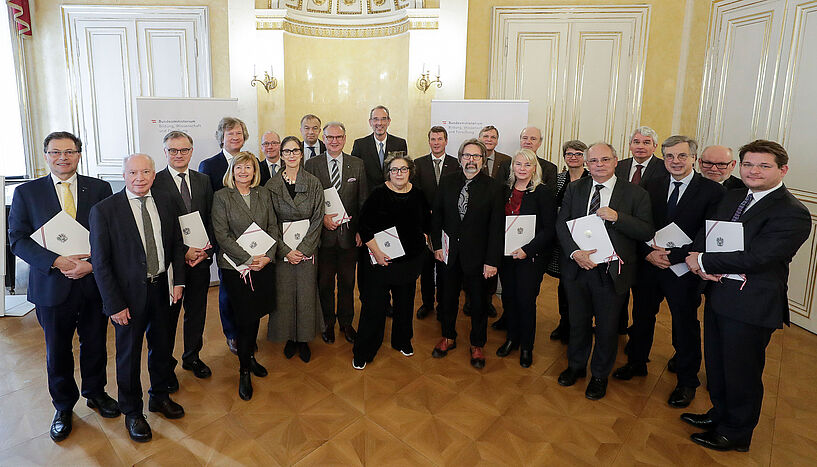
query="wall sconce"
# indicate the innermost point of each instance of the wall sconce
(269, 82)
(424, 82)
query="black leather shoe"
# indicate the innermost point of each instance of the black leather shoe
(681, 397)
(107, 407)
(173, 384)
(256, 368)
(500, 324)
(629, 370)
(671, 364)
(245, 385)
(328, 335)
(477, 358)
(712, 440)
(349, 333)
(138, 428)
(596, 388)
(569, 376)
(290, 348)
(491, 310)
(423, 311)
(166, 407)
(199, 368)
(304, 352)
(702, 420)
(233, 346)
(525, 358)
(505, 349)
(61, 425)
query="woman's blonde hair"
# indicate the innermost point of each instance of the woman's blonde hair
(242, 158)
(536, 176)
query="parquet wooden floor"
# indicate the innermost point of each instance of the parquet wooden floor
(406, 411)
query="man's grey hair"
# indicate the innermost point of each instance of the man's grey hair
(602, 143)
(334, 123)
(645, 131)
(127, 159)
(177, 134)
(678, 139)
(381, 107)
(534, 127)
(728, 150)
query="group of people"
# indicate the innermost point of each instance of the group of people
(450, 215)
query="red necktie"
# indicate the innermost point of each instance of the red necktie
(637, 175)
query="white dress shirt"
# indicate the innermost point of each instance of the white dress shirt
(605, 192)
(684, 184)
(72, 187)
(316, 147)
(178, 180)
(636, 164)
(340, 165)
(377, 147)
(136, 208)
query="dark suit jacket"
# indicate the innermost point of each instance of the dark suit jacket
(478, 238)
(365, 149)
(541, 204)
(502, 167)
(655, 168)
(549, 172)
(697, 204)
(774, 228)
(263, 167)
(321, 145)
(201, 194)
(215, 167)
(34, 204)
(733, 183)
(424, 174)
(634, 224)
(352, 193)
(120, 264)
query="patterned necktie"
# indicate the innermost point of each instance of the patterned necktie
(595, 202)
(672, 203)
(637, 175)
(381, 154)
(185, 191)
(311, 152)
(151, 253)
(68, 200)
(462, 203)
(742, 207)
(335, 175)
(437, 170)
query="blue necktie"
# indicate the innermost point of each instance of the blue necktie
(742, 207)
(672, 203)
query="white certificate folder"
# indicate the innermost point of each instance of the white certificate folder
(64, 236)
(255, 240)
(724, 237)
(389, 243)
(334, 206)
(589, 233)
(519, 231)
(294, 232)
(193, 231)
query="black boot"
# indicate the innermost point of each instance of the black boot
(245, 385)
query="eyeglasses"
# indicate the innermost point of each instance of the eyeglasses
(471, 157)
(379, 119)
(750, 166)
(333, 138)
(267, 144)
(603, 160)
(720, 165)
(287, 152)
(182, 151)
(67, 152)
(397, 170)
(682, 157)
(574, 154)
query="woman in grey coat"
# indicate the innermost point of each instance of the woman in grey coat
(296, 195)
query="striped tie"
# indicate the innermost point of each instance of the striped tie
(742, 207)
(335, 175)
(595, 202)
(68, 200)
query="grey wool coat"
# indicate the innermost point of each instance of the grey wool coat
(231, 217)
(298, 316)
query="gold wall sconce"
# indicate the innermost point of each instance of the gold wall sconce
(268, 82)
(424, 81)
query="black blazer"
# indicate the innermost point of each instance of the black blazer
(549, 172)
(697, 204)
(34, 204)
(541, 203)
(120, 265)
(322, 150)
(502, 167)
(478, 238)
(733, 183)
(634, 224)
(201, 194)
(353, 193)
(424, 174)
(774, 228)
(215, 167)
(365, 149)
(655, 168)
(263, 167)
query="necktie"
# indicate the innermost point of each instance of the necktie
(311, 152)
(437, 170)
(273, 169)
(185, 190)
(335, 175)
(672, 203)
(595, 202)
(150, 242)
(381, 154)
(490, 166)
(637, 175)
(462, 203)
(742, 207)
(68, 200)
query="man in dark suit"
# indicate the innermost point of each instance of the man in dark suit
(374, 149)
(63, 288)
(135, 238)
(743, 310)
(686, 199)
(497, 164)
(428, 170)
(595, 291)
(231, 135)
(311, 131)
(272, 163)
(717, 163)
(337, 255)
(192, 192)
(531, 138)
(468, 208)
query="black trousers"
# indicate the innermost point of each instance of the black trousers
(683, 298)
(521, 280)
(592, 295)
(564, 306)
(197, 284)
(735, 355)
(474, 285)
(335, 263)
(248, 306)
(431, 281)
(371, 326)
(84, 315)
(153, 322)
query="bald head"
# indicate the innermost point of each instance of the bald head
(271, 146)
(716, 163)
(530, 138)
(139, 170)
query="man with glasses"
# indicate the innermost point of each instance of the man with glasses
(192, 192)
(686, 199)
(716, 163)
(271, 147)
(468, 209)
(311, 132)
(595, 291)
(339, 238)
(374, 148)
(63, 287)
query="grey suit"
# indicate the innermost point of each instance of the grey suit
(297, 317)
